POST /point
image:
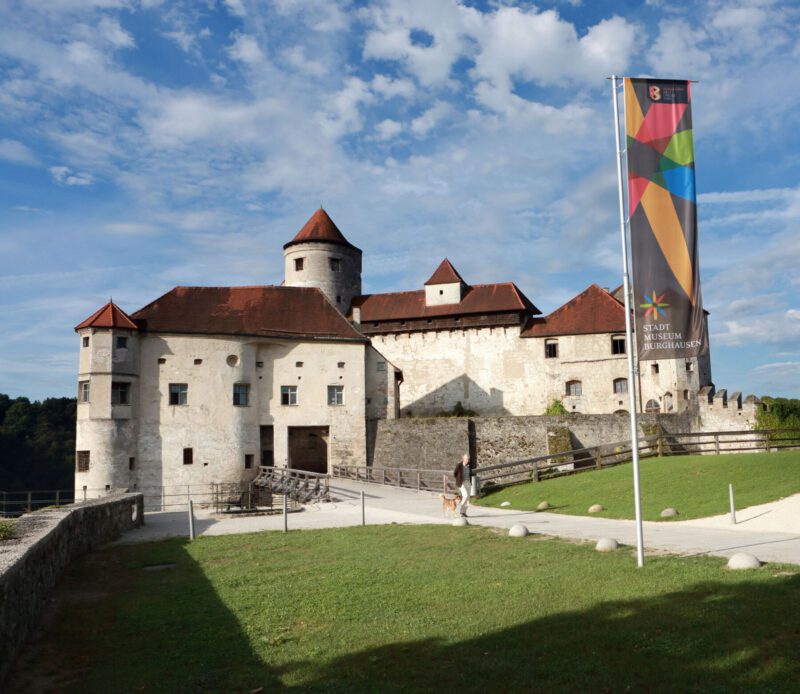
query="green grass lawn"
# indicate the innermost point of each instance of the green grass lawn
(414, 608)
(697, 486)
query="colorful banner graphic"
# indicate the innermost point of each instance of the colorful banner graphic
(670, 323)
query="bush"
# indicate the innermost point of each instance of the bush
(556, 408)
(6, 529)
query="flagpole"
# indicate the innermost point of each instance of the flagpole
(628, 338)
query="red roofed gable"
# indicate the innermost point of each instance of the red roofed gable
(320, 228)
(109, 316)
(445, 274)
(267, 311)
(594, 310)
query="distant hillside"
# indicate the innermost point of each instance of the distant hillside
(37, 443)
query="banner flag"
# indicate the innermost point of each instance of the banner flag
(670, 323)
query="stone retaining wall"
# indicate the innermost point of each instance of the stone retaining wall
(42, 546)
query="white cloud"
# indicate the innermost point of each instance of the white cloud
(296, 57)
(389, 88)
(246, 49)
(388, 128)
(65, 176)
(236, 8)
(18, 153)
(678, 51)
(741, 196)
(423, 124)
(111, 30)
(130, 228)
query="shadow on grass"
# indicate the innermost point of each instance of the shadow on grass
(118, 628)
(713, 637)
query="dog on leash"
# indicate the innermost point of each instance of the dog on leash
(449, 504)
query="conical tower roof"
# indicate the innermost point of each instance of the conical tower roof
(445, 274)
(320, 229)
(109, 316)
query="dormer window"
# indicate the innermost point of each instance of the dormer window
(298, 264)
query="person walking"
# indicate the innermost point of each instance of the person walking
(461, 473)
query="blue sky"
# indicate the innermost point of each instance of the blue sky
(146, 144)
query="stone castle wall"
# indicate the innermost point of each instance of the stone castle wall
(44, 543)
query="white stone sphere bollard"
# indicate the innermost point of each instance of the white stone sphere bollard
(596, 508)
(606, 544)
(505, 504)
(460, 522)
(743, 560)
(518, 530)
(543, 506)
(669, 512)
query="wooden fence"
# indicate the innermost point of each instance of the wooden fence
(408, 478)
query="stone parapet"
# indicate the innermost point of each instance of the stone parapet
(43, 544)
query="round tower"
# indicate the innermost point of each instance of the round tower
(320, 256)
(108, 388)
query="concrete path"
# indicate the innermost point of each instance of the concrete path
(385, 505)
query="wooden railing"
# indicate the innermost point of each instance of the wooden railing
(407, 478)
(298, 485)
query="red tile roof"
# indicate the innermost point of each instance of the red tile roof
(109, 316)
(320, 228)
(445, 274)
(266, 311)
(594, 310)
(481, 298)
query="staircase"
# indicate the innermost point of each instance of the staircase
(298, 485)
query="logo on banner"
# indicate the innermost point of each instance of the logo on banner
(655, 306)
(655, 92)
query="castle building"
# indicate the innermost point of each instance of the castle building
(205, 384)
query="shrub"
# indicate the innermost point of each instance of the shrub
(556, 408)
(6, 529)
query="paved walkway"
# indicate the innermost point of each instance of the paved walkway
(385, 505)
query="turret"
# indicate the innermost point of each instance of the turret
(108, 388)
(320, 256)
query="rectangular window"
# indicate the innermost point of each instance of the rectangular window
(340, 364)
(689, 366)
(178, 393)
(83, 391)
(617, 344)
(685, 394)
(288, 395)
(574, 388)
(336, 264)
(241, 394)
(85, 341)
(654, 369)
(122, 342)
(131, 463)
(336, 395)
(120, 393)
(83, 461)
(248, 460)
(188, 456)
(381, 366)
(298, 264)
(551, 349)
(620, 385)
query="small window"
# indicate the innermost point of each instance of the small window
(85, 341)
(197, 362)
(288, 395)
(338, 299)
(248, 460)
(83, 461)
(83, 391)
(188, 456)
(178, 393)
(617, 344)
(340, 364)
(259, 364)
(551, 349)
(299, 364)
(685, 394)
(131, 463)
(574, 388)
(441, 292)
(620, 385)
(689, 366)
(122, 342)
(381, 366)
(120, 393)
(654, 369)
(336, 395)
(162, 360)
(336, 264)
(298, 264)
(241, 394)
